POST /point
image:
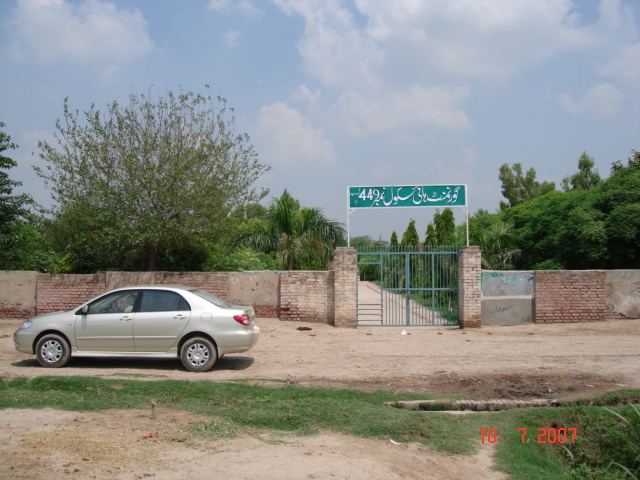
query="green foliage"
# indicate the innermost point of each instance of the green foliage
(22, 246)
(216, 428)
(445, 227)
(609, 443)
(238, 260)
(497, 241)
(300, 238)
(430, 236)
(618, 198)
(585, 178)
(518, 188)
(12, 207)
(632, 161)
(582, 229)
(394, 239)
(562, 227)
(147, 184)
(410, 236)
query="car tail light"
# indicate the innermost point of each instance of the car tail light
(242, 319)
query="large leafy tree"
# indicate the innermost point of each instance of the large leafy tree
(586, 177)
(410, 236)
(582, 229)
(519, 187)
(141, 185)
(442, 231)
(445, 227)
(12, 207)
(618, 198)
(21, 245)
(301, 238)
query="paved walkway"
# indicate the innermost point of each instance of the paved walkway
(388, 308)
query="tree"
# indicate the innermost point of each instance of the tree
(410, 236)
(632, 161)
(518, 188)
(21, 245)
(12, 207)
(497, 244)
(585, 179)
(394, 239)
(161, 174)
(561, 230)
(430, 236)
(302, 238)
(618, 198)
(445, 227)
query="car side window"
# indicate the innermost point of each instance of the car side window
(162, 301)
(116, 302)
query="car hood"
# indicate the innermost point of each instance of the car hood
(51, 316)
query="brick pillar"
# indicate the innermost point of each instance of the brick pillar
(469, 292)
(345, 275)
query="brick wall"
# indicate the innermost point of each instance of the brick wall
(345, 285)
(215, 283)
(305, 296)
(469, 289)
(17, 294)
(63, 292)
(570, 296)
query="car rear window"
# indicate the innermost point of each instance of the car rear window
(218, 302)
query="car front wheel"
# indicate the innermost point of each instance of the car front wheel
(53, 351)
(198, 354)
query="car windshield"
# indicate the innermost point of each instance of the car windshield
(210, 298)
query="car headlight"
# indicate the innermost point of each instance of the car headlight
(26, 324)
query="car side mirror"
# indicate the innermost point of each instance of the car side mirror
(83, 310)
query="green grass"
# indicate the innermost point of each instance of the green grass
(604, 434)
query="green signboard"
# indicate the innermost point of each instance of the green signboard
(408, 196)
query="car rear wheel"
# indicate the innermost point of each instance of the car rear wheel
(198, 354)
(53, 351)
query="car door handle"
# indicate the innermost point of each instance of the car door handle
(126, 318)
(180, 317)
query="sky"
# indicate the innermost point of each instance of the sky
(336, 93)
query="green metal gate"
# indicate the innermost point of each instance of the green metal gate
(408, 288)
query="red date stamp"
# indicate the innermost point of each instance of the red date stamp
(544, 435)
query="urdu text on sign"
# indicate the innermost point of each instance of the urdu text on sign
(408, 196)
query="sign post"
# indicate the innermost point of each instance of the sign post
(392, 196)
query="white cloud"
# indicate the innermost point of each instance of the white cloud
(333, 48)
(404, 65)
(304, 95)
(468, 38)
(470, 156)
(288, 139)
(226, 6)
(460, 38)
(94, 33)
(232, 38)
(410, 109)
(625, 64)
(603, 100)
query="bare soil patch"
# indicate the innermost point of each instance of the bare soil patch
(528, 361)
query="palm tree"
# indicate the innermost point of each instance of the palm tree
(497, 245)
(301, 237)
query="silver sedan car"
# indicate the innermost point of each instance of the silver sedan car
(163, 321)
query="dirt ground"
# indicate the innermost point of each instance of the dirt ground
(527, 361)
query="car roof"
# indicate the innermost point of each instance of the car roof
(155, 287)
